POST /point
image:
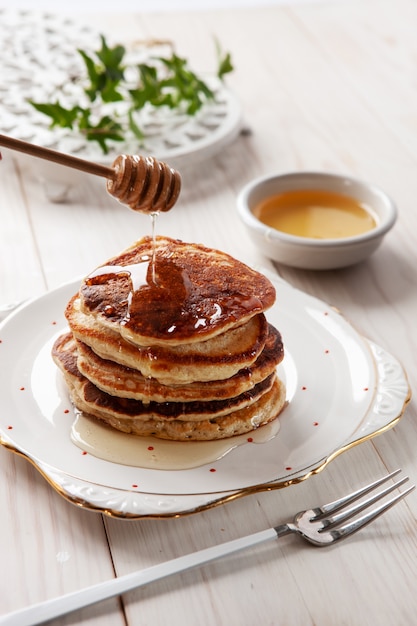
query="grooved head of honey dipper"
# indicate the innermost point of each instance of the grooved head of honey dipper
(144, 183)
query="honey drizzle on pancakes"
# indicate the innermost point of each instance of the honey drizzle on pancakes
(161, 289)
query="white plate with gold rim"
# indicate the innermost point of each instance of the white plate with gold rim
(341, 390)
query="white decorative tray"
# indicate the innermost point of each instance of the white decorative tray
(40, 62)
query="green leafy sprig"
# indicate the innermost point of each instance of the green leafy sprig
(162, 82)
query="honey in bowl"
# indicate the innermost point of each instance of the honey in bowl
(316, 214)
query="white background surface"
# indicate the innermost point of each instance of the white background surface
(141, 6)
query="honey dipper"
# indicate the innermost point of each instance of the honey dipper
(143, 183)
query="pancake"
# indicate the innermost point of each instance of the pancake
(177, 293)
(116, 407)
(217, 358)
(173, 341)
(239, 422)
(126, 382)
(179, 421)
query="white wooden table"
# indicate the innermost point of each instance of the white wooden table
(324, 86)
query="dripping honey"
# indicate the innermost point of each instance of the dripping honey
(315, 214)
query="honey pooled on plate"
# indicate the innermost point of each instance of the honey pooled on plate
(315, 214)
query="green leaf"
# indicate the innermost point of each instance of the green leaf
(106, 129)
(93, 74)
(111, 59)
(148, 89)
(134, 127)
(225, 66)
(184, 85)
(59, 115)
(110, 93)
(105, 73)
(224, 62)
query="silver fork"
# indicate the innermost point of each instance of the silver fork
(321, 526)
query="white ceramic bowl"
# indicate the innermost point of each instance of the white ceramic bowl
(309, 253)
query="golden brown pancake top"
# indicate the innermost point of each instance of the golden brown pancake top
(184, 293)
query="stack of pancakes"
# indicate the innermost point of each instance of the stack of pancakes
(170, 339)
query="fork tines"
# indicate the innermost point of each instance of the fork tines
(349, 513)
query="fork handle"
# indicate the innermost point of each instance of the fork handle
(43, 611)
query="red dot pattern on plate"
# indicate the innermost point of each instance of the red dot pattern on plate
(150, 448)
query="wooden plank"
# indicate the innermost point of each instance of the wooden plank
(49, 547)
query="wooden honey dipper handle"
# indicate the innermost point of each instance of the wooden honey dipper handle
(143, 183)
(57, 157)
